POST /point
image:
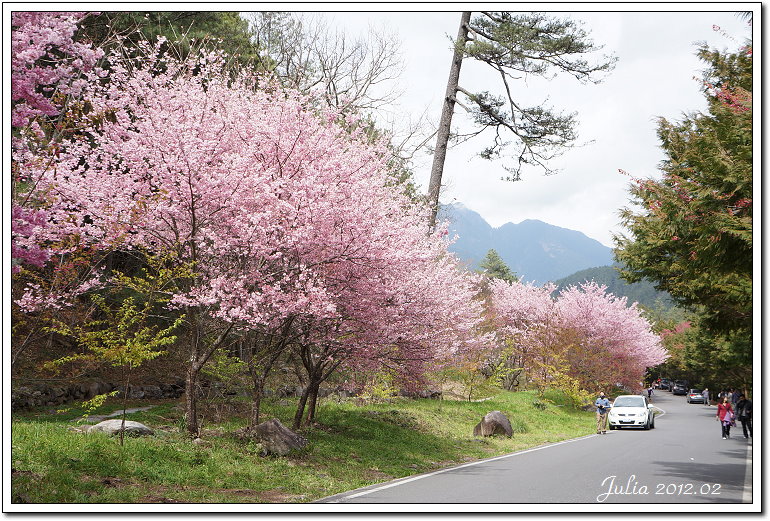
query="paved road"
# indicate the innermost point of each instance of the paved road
(683, 460)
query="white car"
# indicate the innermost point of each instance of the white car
(631, 410)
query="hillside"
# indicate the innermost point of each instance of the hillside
(642, 292)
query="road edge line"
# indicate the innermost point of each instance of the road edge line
(441, 471)
(748, 489)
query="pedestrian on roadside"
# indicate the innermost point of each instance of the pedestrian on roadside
(602, 408)
(743, 412)
(649, 393)
(705, 394)
(735, 397)
(725, 416)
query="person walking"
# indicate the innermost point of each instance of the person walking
(649, 393)
(602, 408)
(705, 394)
(725, 416)
(743, 412)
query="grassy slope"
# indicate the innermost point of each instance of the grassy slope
(351, 447)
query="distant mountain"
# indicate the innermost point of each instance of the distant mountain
(642, 292)
(534, 250)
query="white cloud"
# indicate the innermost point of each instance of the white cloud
(653, 78)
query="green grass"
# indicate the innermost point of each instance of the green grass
(352, 446)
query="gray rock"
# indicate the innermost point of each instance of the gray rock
(112, 427)
(152, 391)
(493, 423)
(92, 389)
(277, 439)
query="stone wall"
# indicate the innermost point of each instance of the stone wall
(34, 395)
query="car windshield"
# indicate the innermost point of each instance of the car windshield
(629, 401)
(695, 391)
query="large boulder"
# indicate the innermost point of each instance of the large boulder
(277, 439)
(493, 423)
(112, 427)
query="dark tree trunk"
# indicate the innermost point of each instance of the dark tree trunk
(259, 386)
(262, 355)
(314, 388)
(442, 135)
(301, 408)
(198, 359)
(191, 402)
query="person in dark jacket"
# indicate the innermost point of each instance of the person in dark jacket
(743, 412)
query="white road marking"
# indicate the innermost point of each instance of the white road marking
(748, 496)
(421, 476)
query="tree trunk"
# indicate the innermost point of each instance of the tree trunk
(191, 404)
(125, 403)
(314, 388)
(198, 359)
(300, 409)
(271, 349)
(259, 385)
(442, 135)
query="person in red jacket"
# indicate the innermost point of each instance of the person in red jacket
(726, 416)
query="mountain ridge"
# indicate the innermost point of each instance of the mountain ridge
(535, 250)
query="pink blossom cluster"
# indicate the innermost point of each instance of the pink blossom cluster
(285, 215)
(607, 337)
(738, 100)
(45, 59)
(678, 329)
(26, 227)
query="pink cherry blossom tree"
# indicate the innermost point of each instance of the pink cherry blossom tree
(284, 215)
(48, 70)
(404, 307)
(591, 335)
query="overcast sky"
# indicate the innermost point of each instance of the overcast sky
(654, 77)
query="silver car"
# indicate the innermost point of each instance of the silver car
(695, 396)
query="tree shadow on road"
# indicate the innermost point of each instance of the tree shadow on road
(730, 476)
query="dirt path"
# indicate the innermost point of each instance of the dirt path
(99, 417)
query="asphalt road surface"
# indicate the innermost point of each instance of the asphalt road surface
(683, 460)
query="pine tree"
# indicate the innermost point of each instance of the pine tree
(515, 45)
(494, 267)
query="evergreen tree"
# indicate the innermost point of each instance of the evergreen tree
(693, 237)
(183, 31)
(494, 267)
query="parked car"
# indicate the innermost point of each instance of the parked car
(631, 410)
(695, 396)
(679, 389)
(665, 384)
